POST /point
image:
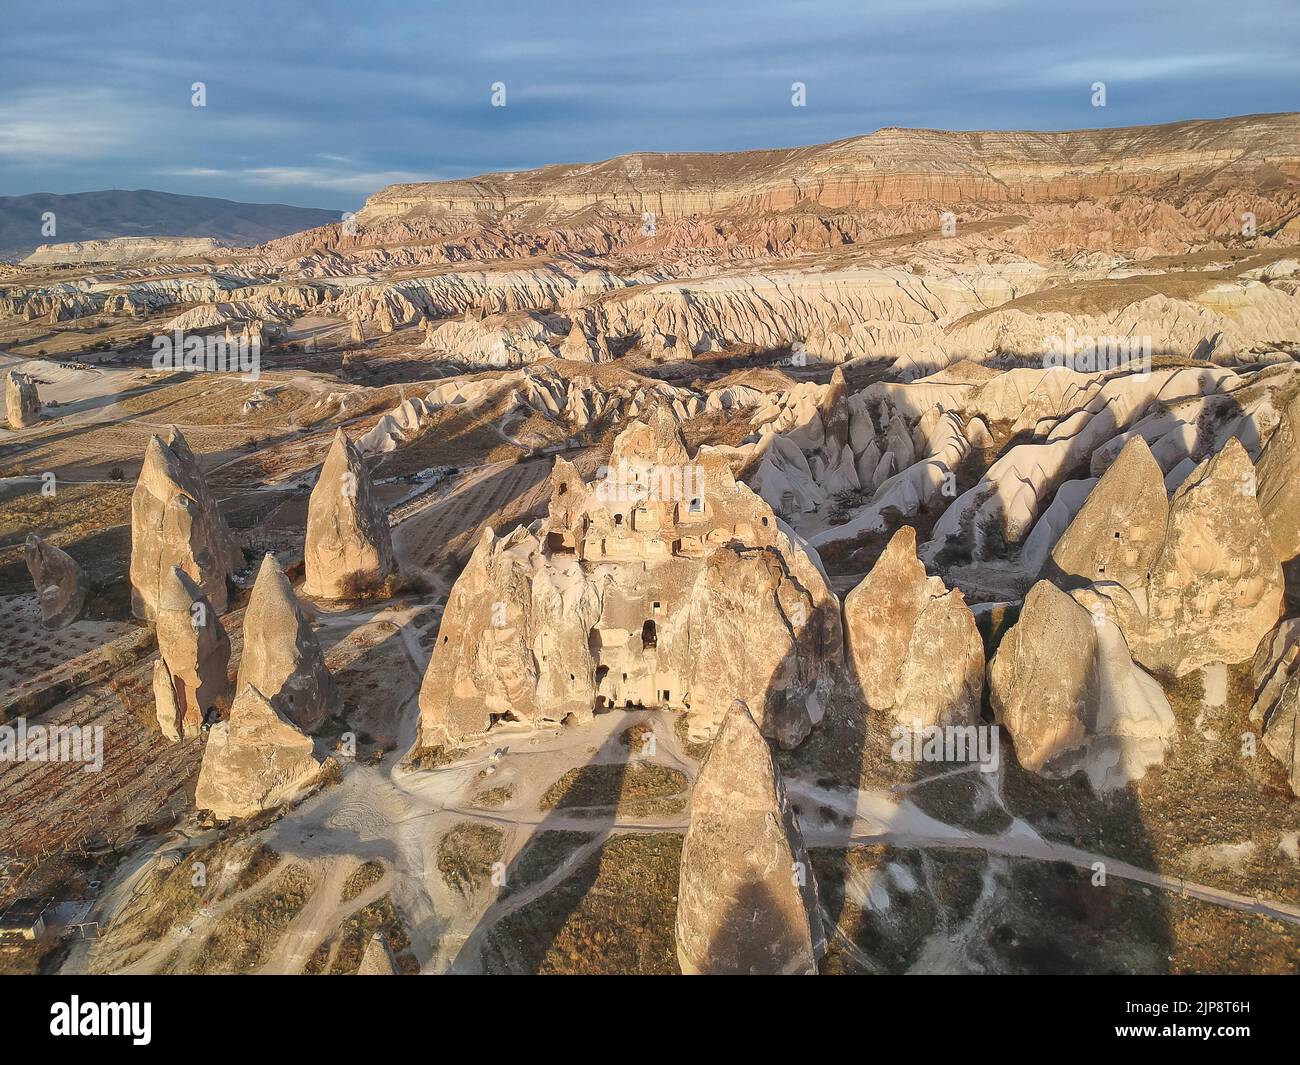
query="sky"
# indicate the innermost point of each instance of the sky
(320, 104)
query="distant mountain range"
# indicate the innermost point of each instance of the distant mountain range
(84, 216)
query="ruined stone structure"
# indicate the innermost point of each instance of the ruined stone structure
(665, 583)
(175, 521)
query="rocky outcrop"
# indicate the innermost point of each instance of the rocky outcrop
(61, 585)
(659, 585)
(1120, 529)
(1276, 676)
(254, 761)
(282, 657)
(889, 168)
(1278, 483)
(22, 403)
(554, 390)
(175, 521)
(190, 678)
(576, 347)
(1075, 420)
(378, 959)
(912, 644)
(1276, 661)
(1282, 733)
(1065, 687)
(1216, 588)
(746, 895)
(349, 549)
(749, 625)
(122, 249)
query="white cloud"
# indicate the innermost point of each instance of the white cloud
(316, 177)
(1146, 67)
(58, 124)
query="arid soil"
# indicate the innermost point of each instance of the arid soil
(859, 332)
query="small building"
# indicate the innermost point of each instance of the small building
(24, 919)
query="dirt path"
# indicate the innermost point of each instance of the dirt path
(325, 911)
(399, 817)
(878, 819)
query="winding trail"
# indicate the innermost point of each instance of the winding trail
(399, 816)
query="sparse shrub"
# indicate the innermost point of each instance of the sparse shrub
(467, 853)
(844, 503)
(366, 876)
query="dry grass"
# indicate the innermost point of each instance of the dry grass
(260, 862)
(614, 914)
(434, 757)
(493, 798)
(341, 954)
(682, 730)
(366, 877)
(634, 788)
(245, 934)
(171, 897)
(467, 853)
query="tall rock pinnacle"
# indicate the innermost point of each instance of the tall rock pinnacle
(747, 900)
(349, 548)
(282, 658)
(175, 521)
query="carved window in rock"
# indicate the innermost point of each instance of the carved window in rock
(691, 511)
(649, 636)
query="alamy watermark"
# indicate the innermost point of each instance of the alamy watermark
(947, 743)
(215, 353)
(667, 484)
(1096, 354)
(21, 742)
(77, 1018)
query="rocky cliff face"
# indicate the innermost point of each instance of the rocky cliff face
(637, 592)
(887, 168)
(122, 249)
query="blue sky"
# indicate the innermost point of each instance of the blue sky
(320, 104)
